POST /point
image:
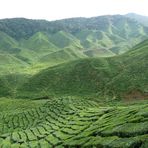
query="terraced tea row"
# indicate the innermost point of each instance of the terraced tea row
(71, 122)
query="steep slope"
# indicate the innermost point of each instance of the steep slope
(7, 43)
(63, 39)
(10, 82)
(142, 19)
(21, 28)
(40, 43)
(101, 52)
(108, 32)
(72, 122)
(132, 82)
(61, 56)
(10, 64)
(37, 51)
(77, 77)
(115, 77)
(4, 90)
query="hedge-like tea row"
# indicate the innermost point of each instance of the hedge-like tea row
(71, 122)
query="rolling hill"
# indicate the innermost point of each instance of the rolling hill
(104, 32)
(119, 76)
(80, 82)
(77, 44)
(72, 122)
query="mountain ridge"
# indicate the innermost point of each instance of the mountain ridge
(103, 36)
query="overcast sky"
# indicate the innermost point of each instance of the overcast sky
(59, 9)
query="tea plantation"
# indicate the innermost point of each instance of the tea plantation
(72, 122)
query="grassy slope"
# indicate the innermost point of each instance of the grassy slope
(117, 33)
(4, 90)
(75, 77)
(97, 39)
(63, 39)
(7, 42)
(133, 78)
(40, 43)
(37, 51)
(10, 64)
(142, 19)
(113, 32)
(101, 52)
(114, 76)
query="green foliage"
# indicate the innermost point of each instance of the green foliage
(142, 19)
(117, 77)
(40, 60)
(95, 33)
(71, 122)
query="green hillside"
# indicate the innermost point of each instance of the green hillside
(40, 43)
(61, 56)
(10, 64)
(77, 39)
(63, 39)
(133, 79)
(7, 43)
(10, 82)
(4, 90)
(108, 32)
(72, 83)
(101, 52)
(115, 76)
(142, 19)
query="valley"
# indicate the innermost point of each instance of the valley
(78, 82)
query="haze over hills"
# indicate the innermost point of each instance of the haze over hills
(142, 19)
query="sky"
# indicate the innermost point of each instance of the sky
(59, 9)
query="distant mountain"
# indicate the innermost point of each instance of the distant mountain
(120, 76)
(141, 19)
(107, 32)
(40, 43)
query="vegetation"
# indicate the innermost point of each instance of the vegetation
(117, 77)
(71, 122)
(77, 82)
(142, 19)
(94, 37)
